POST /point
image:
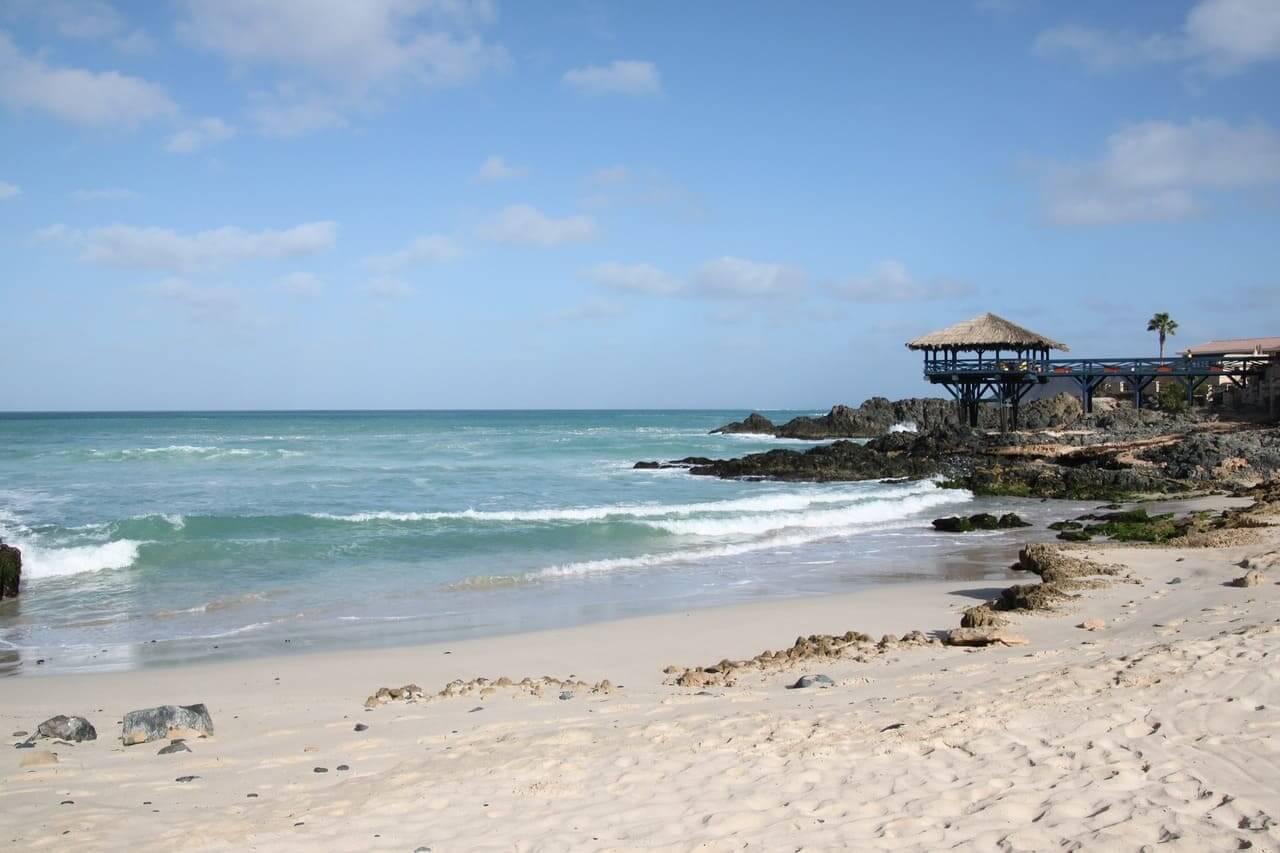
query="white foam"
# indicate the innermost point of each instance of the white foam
(905, 426)
(866, 512)
(773, 502)
(40, 562)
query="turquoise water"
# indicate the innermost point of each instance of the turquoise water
(150, 538)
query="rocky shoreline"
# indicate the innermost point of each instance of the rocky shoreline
(1113, 455)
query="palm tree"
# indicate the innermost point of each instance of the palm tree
(1164, 325)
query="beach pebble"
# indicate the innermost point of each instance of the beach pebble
(361, 727)
(165, 722)
(1093, 624)
(41, 758)
(1175, 580)
(343, 767)
(811, 681)
(74, 729)
(566, 694)
(186, 778)
(1253, 577)
(177, 746)
(320, 770)
(984, 637)
(19, 734)
(26, 744)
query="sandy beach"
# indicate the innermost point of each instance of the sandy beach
(1158, 728)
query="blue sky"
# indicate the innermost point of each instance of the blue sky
(459, 203)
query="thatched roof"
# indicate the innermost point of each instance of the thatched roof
(986, 332)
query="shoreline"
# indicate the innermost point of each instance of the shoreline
(915, 748)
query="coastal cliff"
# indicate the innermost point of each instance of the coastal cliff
(10, 570)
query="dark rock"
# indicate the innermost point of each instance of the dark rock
(186, 778)
(841, 460)
(26, 744)
(320, 770)
(806, 681)
(177, 746)
(361, 727)
(982, 616)
(343, 768)
(566, 695)
(646, 465)
(1075, 536)
(1066, 525)
(952, 524)
(73, 729)
(165, 722)
(19, 734)
(755, 423)
(1011, 520)
(10, 570)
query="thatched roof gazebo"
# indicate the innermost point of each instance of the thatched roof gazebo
(1000, 377)
(986, 333)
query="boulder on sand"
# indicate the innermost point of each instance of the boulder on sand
(72, 729)
(10, 570)
(1253, 577)
(166, 722)
(984, 637)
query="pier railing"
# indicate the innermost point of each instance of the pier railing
(1034, 369)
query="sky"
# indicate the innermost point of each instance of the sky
(282, 204)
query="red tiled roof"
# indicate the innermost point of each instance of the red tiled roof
(1236, 345)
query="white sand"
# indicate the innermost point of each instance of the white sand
(1159, 731)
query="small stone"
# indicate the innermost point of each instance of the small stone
(1174, 580)
(1093, 624)
(984, 637)
(806, 681)
(176, 746)
(251, 796)
(67, 803)
(320, 770)
(565, 695)
(343, 767)
(62, 727)
(19, 734)
(42, 758)
(361, 727)
(26, 744)
(186, 778)
(1253, 577)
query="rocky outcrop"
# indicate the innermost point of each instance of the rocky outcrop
(71, 729)
(841, 460)
(10, 570)
(166, 722)
(755, 424)
(981, 521)
(984, 637)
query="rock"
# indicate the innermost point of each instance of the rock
(1075, 536)
(166, 722)
(984, 521)
(1253, 577)
(409, 693)
(980, 521)
(1066, 525)
(178, 745)
(185, 779)
(1037, 596)
(41, 758)
(73, 729)
(19, 733)
(754, 423)
(952, 524)
(319, 769)
(646, 465)
(26, 744)
(1172, 581)
(361, 727)
(566, 695)
(806, 681)
(838, 461)
(984, 637)
(10, 570)
(342, 768)
(982, 616)
(1093, 624)
(1012, 520)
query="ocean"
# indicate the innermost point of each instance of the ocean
(156, 538)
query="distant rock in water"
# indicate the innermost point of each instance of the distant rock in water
(754, 424)
(10, 570)
(841, 460)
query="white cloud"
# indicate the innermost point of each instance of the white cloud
(728, 277)
(889, 281)
(427, 249)
(8, 191)
(525, 225)
(622, 76)
(287, 112)
(633, 278)
(1157, 170)
(386, 289)
(201, 303)
(609, 176)
(1219, 37)
(165, 249)
(495, 168)
(199, 134)
(93, 98)
(346, 49)
(103, 194)
(300, 284)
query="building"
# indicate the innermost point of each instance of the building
(1261, 388)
